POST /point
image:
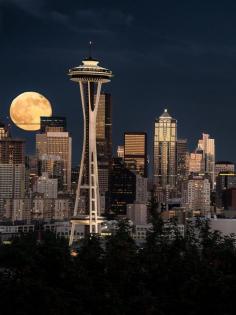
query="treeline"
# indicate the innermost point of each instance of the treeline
(195, 274)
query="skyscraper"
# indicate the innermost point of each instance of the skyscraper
(122, 187)
(90, 77)
(164, 157)
(55, 146)
(196, 195)
(12, 151)
(12, 182)
(207, 145)
(182, 161)
(104, 127)
(135, 152)
(104, 144)
(225, 181)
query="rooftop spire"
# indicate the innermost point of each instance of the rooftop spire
(165, 114)
(90, 49)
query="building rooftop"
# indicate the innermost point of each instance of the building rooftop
(165, 114)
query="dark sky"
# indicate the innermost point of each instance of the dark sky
(179, 53)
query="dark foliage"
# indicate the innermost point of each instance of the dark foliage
(190, 275)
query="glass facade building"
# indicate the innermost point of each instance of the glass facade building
(135, 152)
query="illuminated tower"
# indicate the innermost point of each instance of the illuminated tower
(207, 145)
(90, 77)
(164, 162)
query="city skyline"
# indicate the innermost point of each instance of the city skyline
(192, 68)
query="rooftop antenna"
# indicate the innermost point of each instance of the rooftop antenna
(90, 49)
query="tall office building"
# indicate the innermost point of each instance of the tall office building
(207, 145)
(135, 152)
(104, 145)
(196, 195)
(90, 77)
(164, 157)
(12, 182)
(12, 151)
(55, 146)
(126, 187)
(53, 123)
(104, 127)
(122, 187)
(182, 161)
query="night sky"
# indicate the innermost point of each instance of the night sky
(175, 54)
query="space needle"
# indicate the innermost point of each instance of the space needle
(90, 77)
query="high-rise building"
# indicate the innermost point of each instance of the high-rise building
(104, 127)
(55, 146)
(196, 195)
(12, 151)
(104, 144)
(135, 152)
(126, 187)
(182, 161)
(53, 124)
(122, 187)
(90, 78)
(207, 145)
(12, 182)
(164, 157)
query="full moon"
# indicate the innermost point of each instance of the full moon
(27, 108)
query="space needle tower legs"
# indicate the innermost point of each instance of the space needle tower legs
(90, 78)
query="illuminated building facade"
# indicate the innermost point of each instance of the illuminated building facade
(135, 152)
(164, 155)
(196, 163)
(207, 145)
(104, 127)
(182, 161)
(104, 145)
(196, 195)
(55, 146)
(90, 77)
